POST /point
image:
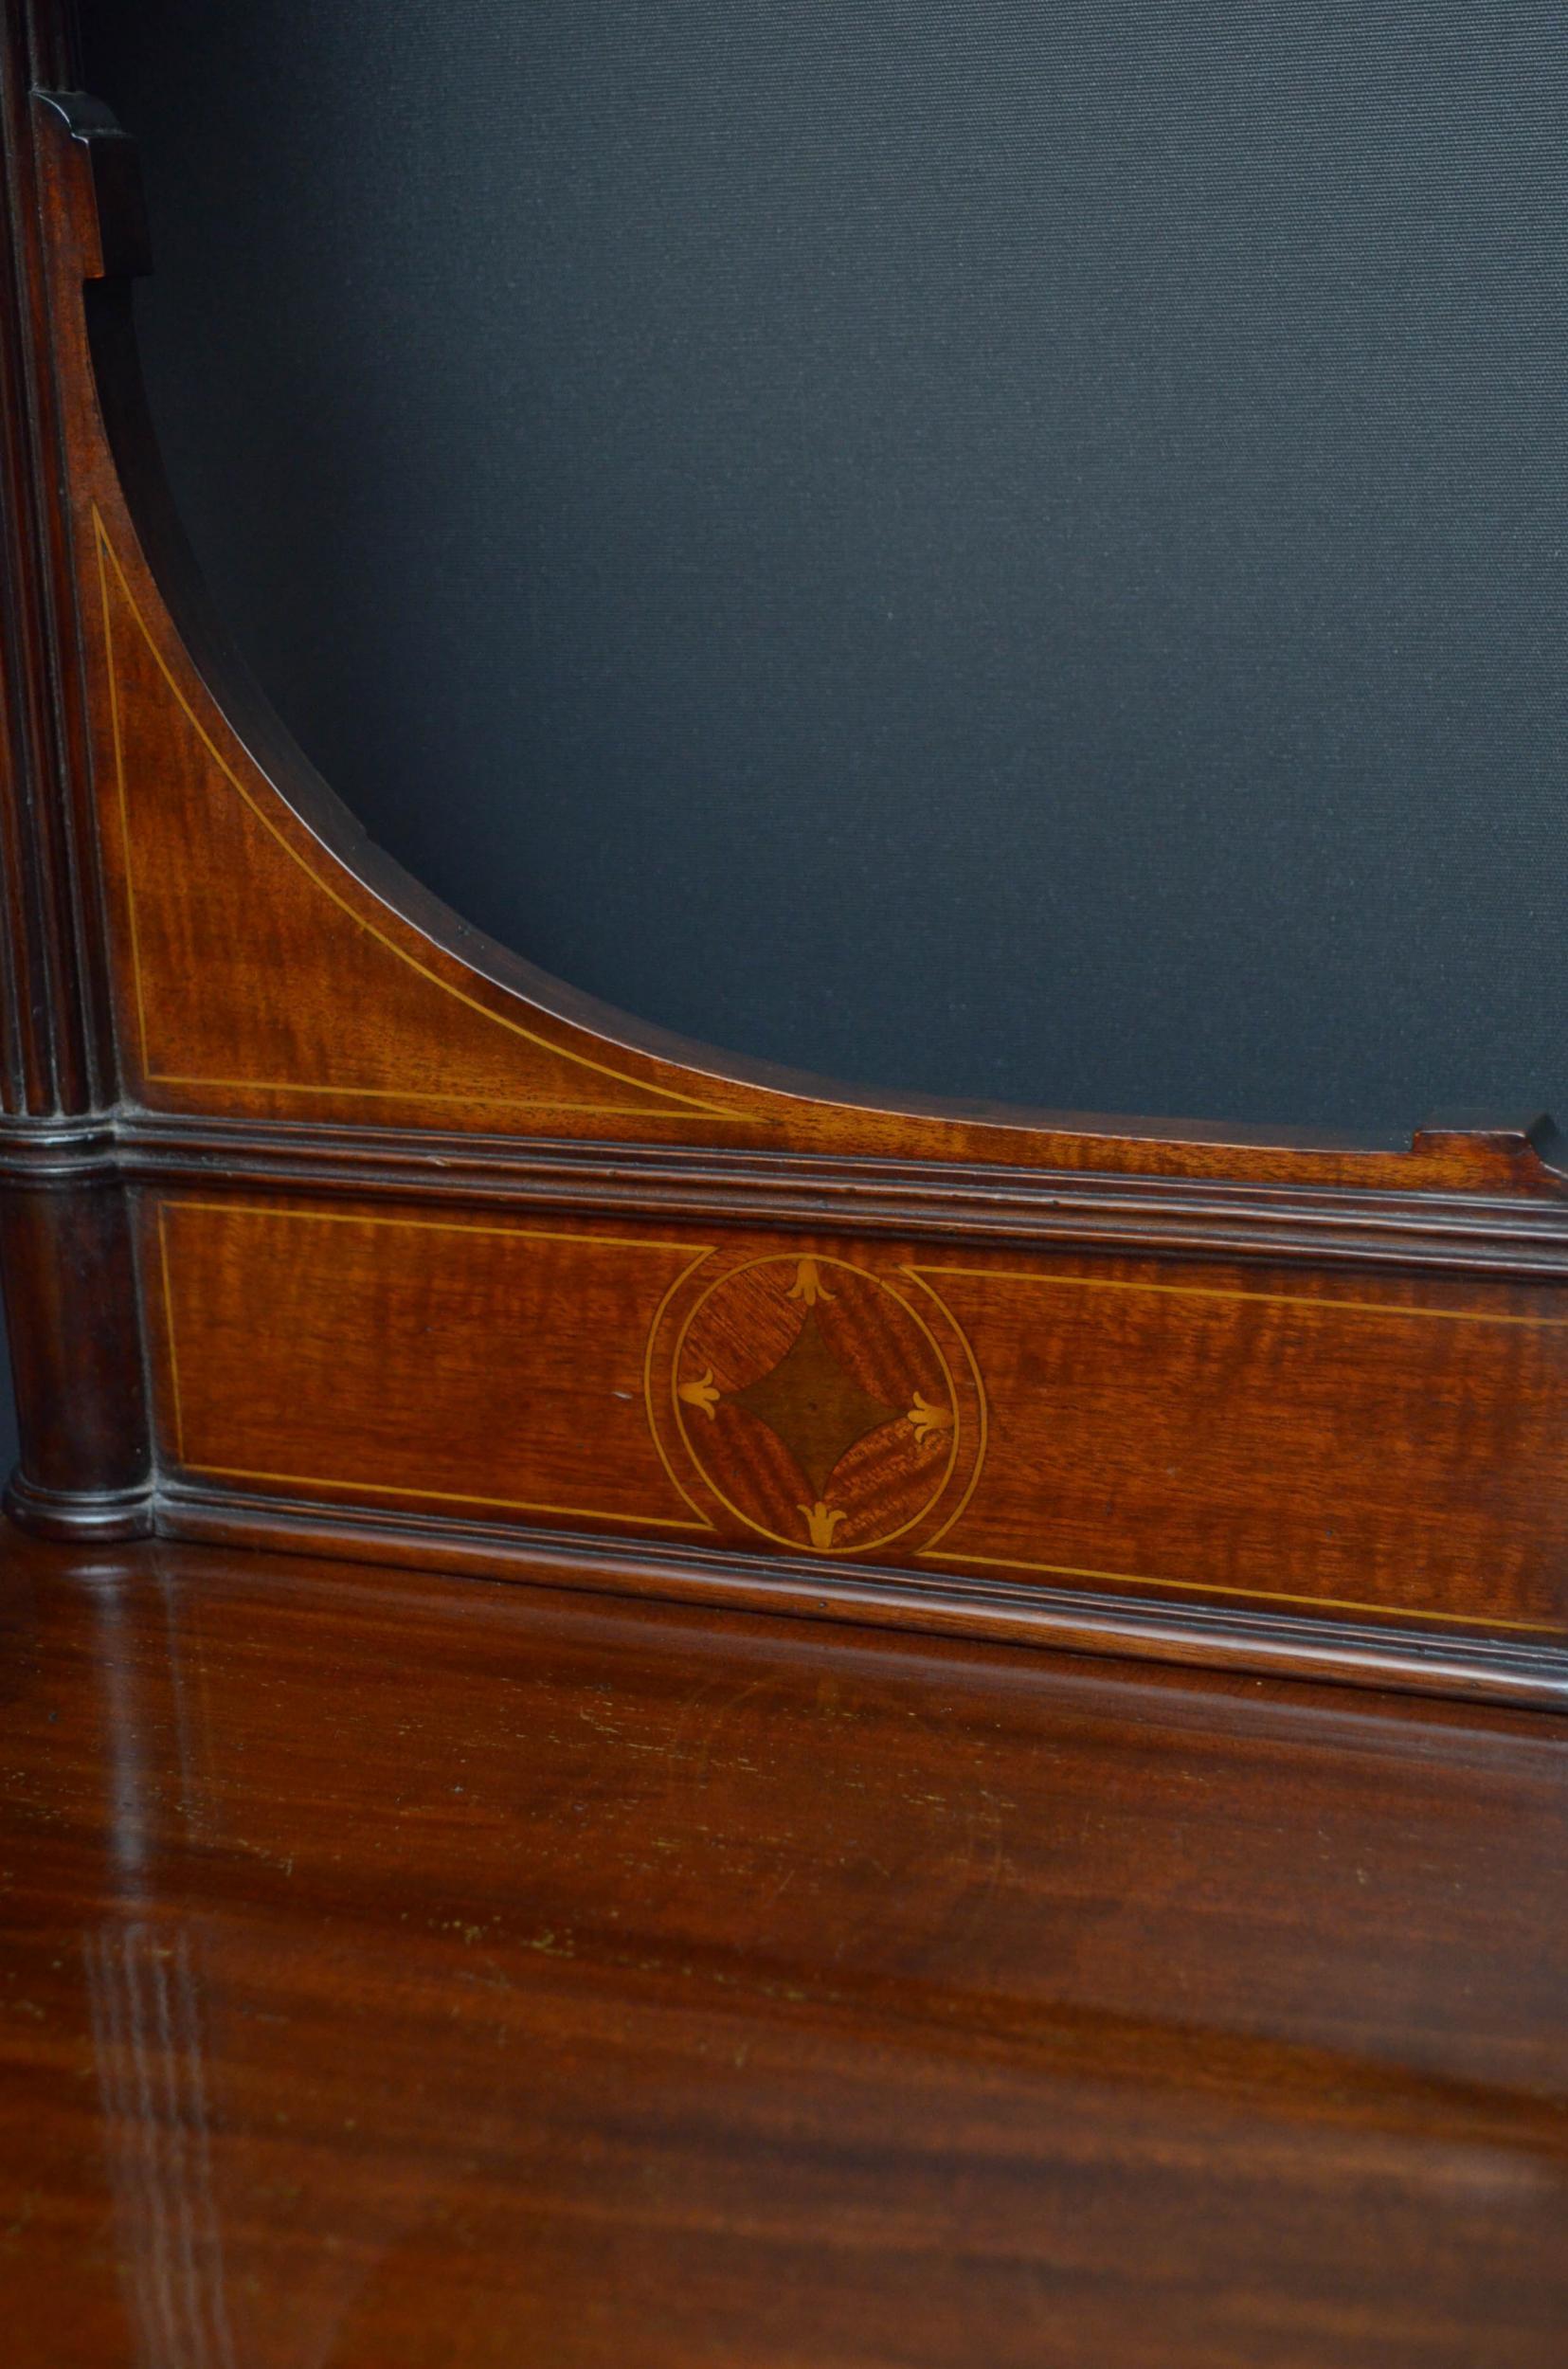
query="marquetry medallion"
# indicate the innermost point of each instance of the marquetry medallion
(814, 1402)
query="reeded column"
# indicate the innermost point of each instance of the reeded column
(64, 1242)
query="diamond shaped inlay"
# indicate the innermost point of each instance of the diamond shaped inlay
(813, 1405)
(872, 1406)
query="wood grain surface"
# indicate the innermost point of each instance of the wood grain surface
(397, 1970)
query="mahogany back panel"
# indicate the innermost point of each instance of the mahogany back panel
(326, 1221)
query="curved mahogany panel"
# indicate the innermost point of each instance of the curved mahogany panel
(270, 962)
(412, 1250)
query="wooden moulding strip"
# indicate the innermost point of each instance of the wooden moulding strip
(1325, 1227)
(1469, 1666)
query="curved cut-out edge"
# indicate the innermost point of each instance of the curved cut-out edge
(109, 559)
(121, 472)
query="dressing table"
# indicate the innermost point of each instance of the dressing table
(660, 1711)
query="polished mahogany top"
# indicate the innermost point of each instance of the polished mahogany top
(399, 1969)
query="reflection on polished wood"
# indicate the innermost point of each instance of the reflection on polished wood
(407, 1970)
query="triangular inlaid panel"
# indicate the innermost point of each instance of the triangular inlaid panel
(259, 966)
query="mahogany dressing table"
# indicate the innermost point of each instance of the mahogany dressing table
(656, 1711)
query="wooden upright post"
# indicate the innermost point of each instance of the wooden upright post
(64, 1242)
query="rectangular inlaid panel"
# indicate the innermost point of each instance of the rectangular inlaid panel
(1343, 1442)
(480, 1367)
(1369, 1443)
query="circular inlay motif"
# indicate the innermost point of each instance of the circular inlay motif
(814, 1402)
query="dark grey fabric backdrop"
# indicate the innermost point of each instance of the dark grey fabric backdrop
(997, 546)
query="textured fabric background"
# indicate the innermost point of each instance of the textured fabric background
(996, 545)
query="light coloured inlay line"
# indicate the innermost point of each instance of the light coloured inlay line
(679, 1105)
(367, 1488)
